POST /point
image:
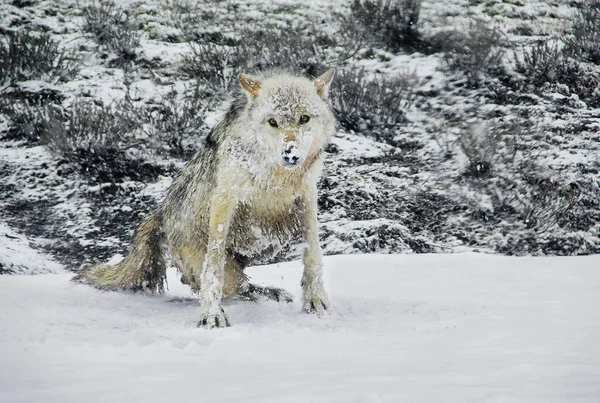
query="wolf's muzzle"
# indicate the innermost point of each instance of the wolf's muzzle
(290, 156)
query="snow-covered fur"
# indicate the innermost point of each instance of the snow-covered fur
(249, 190)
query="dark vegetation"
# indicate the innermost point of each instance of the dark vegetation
(391, 24)
(28, 55)
(176, 123)
(502, 166)
(104, 141)
(585, 41)
(477, 52)
(375, 107)
(114, 29)
(216, 62)
(549, 64)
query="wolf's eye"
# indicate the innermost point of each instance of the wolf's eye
(272, 122)
(304, 119)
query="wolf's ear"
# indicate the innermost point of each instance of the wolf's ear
(250, 84)
(322, 82)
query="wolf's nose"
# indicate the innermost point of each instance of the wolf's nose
(289, 156)
(291, 161)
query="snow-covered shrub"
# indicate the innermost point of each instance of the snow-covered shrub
(584, 213)
(25, 59)
(175, 122)
(105, 141)
(372, 106)
(114, 28)
(26, 120)
(548, 64)
(476, 52)
(298, 50)
(88, 126)
(505, 184)
(484, 147)
(190, 17)
(585, 41)
(217, 65)
(389, 23)
(26, 55)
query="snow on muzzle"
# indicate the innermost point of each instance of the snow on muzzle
(291, 155)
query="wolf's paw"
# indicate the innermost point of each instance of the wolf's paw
(315, 303)
(254, 292)
(214, 320)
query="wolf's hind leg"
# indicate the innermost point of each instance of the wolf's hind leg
(192, 261)
(237, 285)
(234, 278)
(253, 292)
(143, 268)
(235, 282)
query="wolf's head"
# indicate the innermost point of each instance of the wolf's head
(288, 117)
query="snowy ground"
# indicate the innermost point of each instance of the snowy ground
(406, 328)
(17, 256)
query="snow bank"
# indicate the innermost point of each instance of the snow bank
(17, 256)
(406, 328)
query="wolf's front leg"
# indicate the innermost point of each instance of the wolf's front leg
(212, 275)
(314, 295)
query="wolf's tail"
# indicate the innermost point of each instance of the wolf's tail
(143, 269)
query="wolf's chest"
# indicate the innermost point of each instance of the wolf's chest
(260, 230)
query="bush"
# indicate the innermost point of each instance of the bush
(33, 56)
(297, 50)
(175, 122)
(190, 17)
(373, 107)
(105, 141)
(488, 148)
(217, 65)
(89, 127)
(504, 183)
(28, 56)
(548, 64)
(26, 120)
(585, 42)
(498, 146)
(113, 28)
(389, 23)
(475, 52)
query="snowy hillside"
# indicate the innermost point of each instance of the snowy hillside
(17, 255)
(405, 328)
(464, 125)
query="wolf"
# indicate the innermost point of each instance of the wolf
(248, 191)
